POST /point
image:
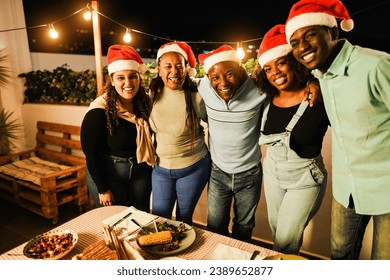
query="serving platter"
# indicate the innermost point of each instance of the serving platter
(186, 240)
(51, 245)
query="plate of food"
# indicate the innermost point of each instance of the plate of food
(51, 245)
(172, 237)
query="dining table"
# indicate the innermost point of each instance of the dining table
(89, 228)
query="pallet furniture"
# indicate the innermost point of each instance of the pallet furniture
(60, 145)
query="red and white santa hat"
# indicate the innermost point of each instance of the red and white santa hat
(124, 58)
(184, 49)
(317, 12)
(223, 53)
(274, 45)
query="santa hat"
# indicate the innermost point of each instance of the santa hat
(184, 49)
(274, 45)
(317, 12)
(124, 58)
(223, 53)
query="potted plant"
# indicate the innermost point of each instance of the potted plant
(8, 128)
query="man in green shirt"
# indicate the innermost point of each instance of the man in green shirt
(355, 84)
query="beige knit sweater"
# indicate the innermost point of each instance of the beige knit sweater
(172, 135)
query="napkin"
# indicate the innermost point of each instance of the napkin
(225, 252)
(131, 252)
(142, 217)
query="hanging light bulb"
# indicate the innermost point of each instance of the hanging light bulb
(52, 32)
(127, 36)
(87, 15)
(240, 51)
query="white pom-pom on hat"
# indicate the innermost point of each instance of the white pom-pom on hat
(347, 24)
(192, 72)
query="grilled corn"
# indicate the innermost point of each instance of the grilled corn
(156, 238)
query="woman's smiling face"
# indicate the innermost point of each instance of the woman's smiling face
(126, 83)
(172, 70)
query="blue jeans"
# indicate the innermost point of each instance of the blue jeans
(181, 186)
(92, 188)
(347, 232)
(245, 189)
(130, 183)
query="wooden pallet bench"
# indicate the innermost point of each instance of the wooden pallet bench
(51, 174)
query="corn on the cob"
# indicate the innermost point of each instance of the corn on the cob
(156, 238)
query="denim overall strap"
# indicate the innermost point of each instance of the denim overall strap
(265, 113)
(297, 115)
(275, 138)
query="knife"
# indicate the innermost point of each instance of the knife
(121, 219)
(254, 254)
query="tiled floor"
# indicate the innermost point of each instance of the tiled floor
(18, 225)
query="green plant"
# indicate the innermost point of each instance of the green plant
(4, 70)
(60, 85)
(9, 129)
(63, 85)
(250, 65)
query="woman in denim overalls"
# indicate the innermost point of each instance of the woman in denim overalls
(294, 173)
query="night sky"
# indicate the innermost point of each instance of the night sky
(204, 28)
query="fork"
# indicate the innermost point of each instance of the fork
(146, 229)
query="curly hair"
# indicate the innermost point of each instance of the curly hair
(142, 104)
(189, 87)
(300, 73)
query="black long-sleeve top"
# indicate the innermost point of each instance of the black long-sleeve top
(97, 142)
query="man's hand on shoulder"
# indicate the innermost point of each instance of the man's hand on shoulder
(313, 92)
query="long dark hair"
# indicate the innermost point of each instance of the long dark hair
(142, 104)
(156, 88)
(300, 72)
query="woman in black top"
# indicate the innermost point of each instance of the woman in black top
(294, 173)
(115, 135)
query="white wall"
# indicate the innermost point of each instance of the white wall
(65, 114)
(76, 62)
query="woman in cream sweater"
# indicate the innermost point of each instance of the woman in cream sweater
(182, 159)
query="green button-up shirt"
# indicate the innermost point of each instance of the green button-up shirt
(356, 93)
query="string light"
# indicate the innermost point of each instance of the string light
(240, 51)
(53, 32)
(127, 36)
(87, 15)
